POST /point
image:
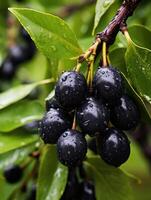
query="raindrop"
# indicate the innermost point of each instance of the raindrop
(107, 87)
(64, 78)
(65, 134)
(91, 105)
(86, 123)
(82, 113)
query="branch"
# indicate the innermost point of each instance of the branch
(118, 22)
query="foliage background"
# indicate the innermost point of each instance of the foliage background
(57, 42)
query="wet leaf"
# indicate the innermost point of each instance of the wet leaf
(19, 92)
(138, 61)
(110, 182)
(52, 176)
(101, 7)
(19, 114)
(16, 139)
(51, 34)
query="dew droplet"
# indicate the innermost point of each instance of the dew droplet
(64, 78)
(107, 87)
(65, 134)
(91, 105)
(66, 92)
(86, 123)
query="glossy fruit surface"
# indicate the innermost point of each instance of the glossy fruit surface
(108, 84)
(114, 147)
(87, 191)
(92, 116)
(13, 173)
(71, 148)
(125, 115)
(71, 89)
(17, 53)
(72, 187)
(52, 103)
(21, 53)
(53, 124)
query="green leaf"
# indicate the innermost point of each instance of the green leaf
(16, 155)
(51, 34)
(16, 139)
(86, 42)
(110, 182)
(33, 67)
(107, 17)
(137, 163)
(138, 61)
(141, 35)
(101, 7)
(143, 107)
(117, 59)
(19, 114)
(19, 92)
(6, 189)
(52, 176)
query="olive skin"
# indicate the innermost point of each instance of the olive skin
(71, 89)
(52, 103)
(87, 191)
(17, 53)
(21, 53)
(13, 173)
(92, 116)
(114, 147)
(108, 84)
(71, 148)
(53, 124)
(72, 187)
(125, 115)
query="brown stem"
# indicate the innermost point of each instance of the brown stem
(126, 10)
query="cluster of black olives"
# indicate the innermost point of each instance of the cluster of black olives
(16, 55)
(94, 112)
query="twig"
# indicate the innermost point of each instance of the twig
(124, 12)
